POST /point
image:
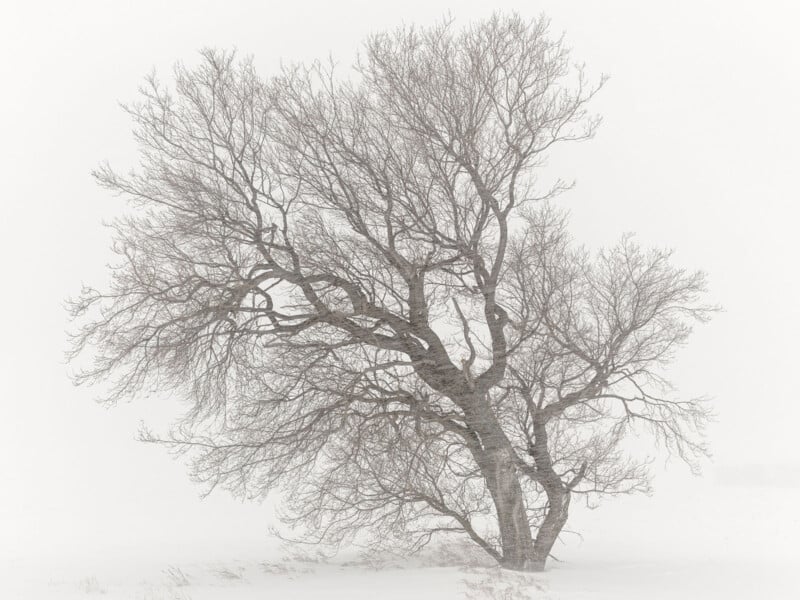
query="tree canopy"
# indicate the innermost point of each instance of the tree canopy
(369, 302)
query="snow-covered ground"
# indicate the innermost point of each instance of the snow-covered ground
(706, 538)
(634, 578)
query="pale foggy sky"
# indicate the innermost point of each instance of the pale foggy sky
(698, 151)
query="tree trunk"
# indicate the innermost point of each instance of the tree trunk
(515, 532)
(494, 456)
(520, 551)
(558, 497)
(554, 521)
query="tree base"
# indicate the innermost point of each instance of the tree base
(526, 566)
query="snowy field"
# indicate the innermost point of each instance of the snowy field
(715, 539)
(251, 580)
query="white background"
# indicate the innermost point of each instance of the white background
(698, 151)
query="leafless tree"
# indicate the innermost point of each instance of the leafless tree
(366, 303)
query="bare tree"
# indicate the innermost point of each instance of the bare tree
(351, 281)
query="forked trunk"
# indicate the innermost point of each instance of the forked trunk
(520, 551)
(495, 458)
(494, 455)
